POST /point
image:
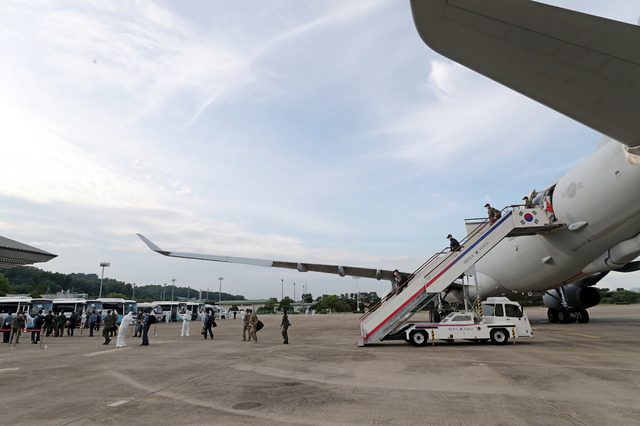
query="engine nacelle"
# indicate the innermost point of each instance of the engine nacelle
(577, 296)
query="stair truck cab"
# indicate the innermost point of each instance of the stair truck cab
(500, 319)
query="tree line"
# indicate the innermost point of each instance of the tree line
(34, 281)
(31, 280)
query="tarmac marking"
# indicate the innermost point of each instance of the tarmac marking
(104, 352)
(115, 404)
(6, 370)
(584, 335)
(127, 347)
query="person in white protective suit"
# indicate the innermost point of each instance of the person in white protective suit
(124, 325)
(186, 322)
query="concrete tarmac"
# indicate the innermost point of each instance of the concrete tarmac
(567, 374)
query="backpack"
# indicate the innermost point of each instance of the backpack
(259, 325)
(152, 319)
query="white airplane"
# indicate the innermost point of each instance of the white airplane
(583, 66)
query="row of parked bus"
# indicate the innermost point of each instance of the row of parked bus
(164, 311)
(175, 311)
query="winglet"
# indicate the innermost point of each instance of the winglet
(152, 246)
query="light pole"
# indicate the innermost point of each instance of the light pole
(133, 293)
(220, 292)
(164, 290)
(104, 265)
(294, 292)
(282, 296)
(173, 280)
(357, 295)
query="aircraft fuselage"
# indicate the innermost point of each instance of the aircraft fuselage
(602, 192)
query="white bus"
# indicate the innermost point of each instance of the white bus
(219, 311)
(172, 311)
(69, 305)
(28, 305)
(196, 309)
(152, 308)
(121, 306)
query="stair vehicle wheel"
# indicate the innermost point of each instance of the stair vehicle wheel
(418, 338)
(583, 316)
(552, 315)
(563, 316)
(499, 336)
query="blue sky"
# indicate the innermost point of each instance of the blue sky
(317, 131)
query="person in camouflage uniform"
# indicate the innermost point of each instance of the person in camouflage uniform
(108, 323)
(245, 325)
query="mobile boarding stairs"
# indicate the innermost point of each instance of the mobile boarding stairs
(442, 269)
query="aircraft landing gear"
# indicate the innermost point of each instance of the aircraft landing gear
(567, 315)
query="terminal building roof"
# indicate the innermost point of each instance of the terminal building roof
(14, 253)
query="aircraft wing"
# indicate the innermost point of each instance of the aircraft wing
(377, 274)
(583, 66)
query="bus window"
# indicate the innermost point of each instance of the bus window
(6, 307)
(130, 307)
(40, 305)
(113, 306)
(182, 308)
(94, 307)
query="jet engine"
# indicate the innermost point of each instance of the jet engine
(577, 296)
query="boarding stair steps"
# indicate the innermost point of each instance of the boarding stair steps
(443, 268)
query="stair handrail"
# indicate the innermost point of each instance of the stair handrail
(481, 225)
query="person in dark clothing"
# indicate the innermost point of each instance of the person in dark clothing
(398, 281)
(48, 323)
(6, 326)
(93, 319)
(139, 324)
(454, 245)
(38, 321)
(145, 331)
(114, 319)
(208, 323)
(72, 324)
(284, 326)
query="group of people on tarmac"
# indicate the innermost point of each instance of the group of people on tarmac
(53, 325)
(251, 325)
(11, 326)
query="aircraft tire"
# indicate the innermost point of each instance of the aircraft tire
(499, 336)
(552, 315)
(583, 316)
(418, 338)
(564, 316)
